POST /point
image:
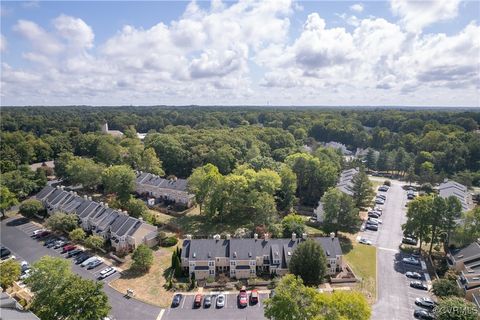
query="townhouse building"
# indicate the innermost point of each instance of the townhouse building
(247, 258)
(170, 190)
(124, 232)
(451, 188)
(466, 262)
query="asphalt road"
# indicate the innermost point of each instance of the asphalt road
(15, 235)
(395, 297)
(230, 311)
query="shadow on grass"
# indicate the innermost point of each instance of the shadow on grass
(345, 244)
(132, 273)
(200, 225)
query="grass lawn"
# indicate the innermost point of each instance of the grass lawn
(148, 287)
(363, 260)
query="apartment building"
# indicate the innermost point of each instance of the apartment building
(125, 232)
(246, 258)
(451, 188)
(171, 190)
(466, 261)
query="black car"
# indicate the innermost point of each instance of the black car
(372, 227)
(207, 302)
(74, 253)
(409, 240)
(4, 253)
(418, 285)
(176, 300)
(423, 314)
(50, 241)
(82, 257)
(372, 214)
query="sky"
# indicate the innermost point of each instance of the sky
(278, 52)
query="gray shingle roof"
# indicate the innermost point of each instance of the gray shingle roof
(466, 253)
(452, 188)
(153, 180)
(44, 192)
(129, 223)
(118, 223)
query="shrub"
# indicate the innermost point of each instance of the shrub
(142, 258)
(31, 207)
(387, 183)
(169, 242)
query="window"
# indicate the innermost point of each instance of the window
(233, 263)
(252, 262)
(212, 272)
(211, 263)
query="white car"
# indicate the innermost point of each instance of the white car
(25, 275)
(379, 201)
(411, 260)
(365, 241)
(106, 272)
(375, 220)
(84, 263)
(38, 231)
(220, 300)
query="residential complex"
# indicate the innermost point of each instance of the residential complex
(451, 188)
(466, 262)
(124, 232)
(246, 258)
(345, 184)
(170, 190)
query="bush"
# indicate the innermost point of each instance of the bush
(142, 258)
(169, 242)
(387, 183)
(77, 235)
(31, 207)
(62, 222)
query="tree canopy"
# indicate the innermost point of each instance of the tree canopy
(340, 213)
(309, 262)
(142, 258)
(120, 180)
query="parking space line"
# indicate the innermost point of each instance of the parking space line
(183, 302)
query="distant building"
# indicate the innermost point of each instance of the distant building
(246, 258)
(49, 164)
(170, 190)
(124, 232)
(339, 146)
(451, 188)
(345, 184)
(466, 262)
(115, 133)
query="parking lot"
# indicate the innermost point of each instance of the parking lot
(230, 311)
(15, 235)
(396, 299)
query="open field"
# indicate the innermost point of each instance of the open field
(363, 260)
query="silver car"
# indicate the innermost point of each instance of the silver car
(220, 300)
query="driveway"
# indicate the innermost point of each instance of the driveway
(230, 311)
(15, 235)
(395, 297)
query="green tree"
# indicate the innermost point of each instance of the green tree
(362, 190)
(32, 207)
(62, 222)
(61, 163)
(119, 180)
(286, 193)
(340, 213)
(445, 287)
(59, 294)
(94, 242)
(135, 207)
(202, 183)
(293, 223)
(142, 258)
(84, 171)
(371, 159)
(436, 219)
(455, 308)
(469, 230)
(418, 218)
(309, 262)
(7, 199)
(10, 271)
(149, 162)
(452, 213)
(77, 235)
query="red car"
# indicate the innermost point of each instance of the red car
(243, 298)
(68, 247)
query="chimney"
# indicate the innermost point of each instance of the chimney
(332, 235)
(227, 236)
(75, 193)
(255, 236)
(125, 212)
(189, 237)
(85, 197)
(62, 187)
(294, 236)
(106, 205)
(140, 219)
(304, 236)
(102, 204)
(216, 237)
(90, 198)
(266, 235)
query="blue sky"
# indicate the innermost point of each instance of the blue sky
(394, 52)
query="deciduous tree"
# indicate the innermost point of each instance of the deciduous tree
(362, 190)
(62, 222)
(77, 235)
(309, 262)
(293, 223)
(119, 180)
(445, 287)
(455, 308)
(9, 272)
(142, 258)
(32, 207)
(340, 213)
(94, 242)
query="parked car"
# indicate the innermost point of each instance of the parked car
(50, 241)
(365, 241)
(379, 201)
(207, 302)
(411, 260)
(426, 302)
(423, 314)
(82, 257)
(371, 227)
(378, 221)
(220, 300)
(372, 222)
(176, 300)
(4, 252)
(74, 253)
(254, 296)
(68, 247)
(91, 259)
(242, 298)
(24, 266)
(107, 272)
(35, 233)
(382, 196)
(372, 214)
(42, 235)
(378, 209)
(197, 302)
(418, 285)
(383, 188)
(25, 274)
(59, 244)
(94, 263)
(409, 240)
(413, 275)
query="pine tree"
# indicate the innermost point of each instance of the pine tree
(362, 190)
(371, 160)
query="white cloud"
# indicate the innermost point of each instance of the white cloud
(358, 7)
(415, 15)
(75, 31)
(3, 43)
(39, 38)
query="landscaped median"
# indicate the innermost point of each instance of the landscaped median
(363, 260)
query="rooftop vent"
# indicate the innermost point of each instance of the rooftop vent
(328, 253)
(235, 254)
(194, 255)
(255, 236)
(289, 253)
(294, 236)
